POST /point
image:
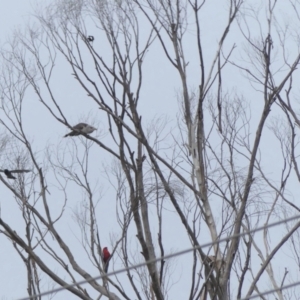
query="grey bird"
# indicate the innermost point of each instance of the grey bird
(81, 128)
(9, 174)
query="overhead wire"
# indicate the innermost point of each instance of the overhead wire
(178, 253)
(272, 291)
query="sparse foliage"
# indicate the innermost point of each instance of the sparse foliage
(197, 126)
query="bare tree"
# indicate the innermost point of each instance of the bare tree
(226, 165)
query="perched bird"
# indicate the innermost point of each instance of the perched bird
(218, 264)
(90, 38)
(211, 259)
(81, 128)
(106, 258)
(9, 173)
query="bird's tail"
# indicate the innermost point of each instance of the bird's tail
(106, 266)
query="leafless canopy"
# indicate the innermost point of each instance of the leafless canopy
(197, 133)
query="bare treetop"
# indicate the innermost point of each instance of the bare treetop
(198, 107)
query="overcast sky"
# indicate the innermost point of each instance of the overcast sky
(48, 133)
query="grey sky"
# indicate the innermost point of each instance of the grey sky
(158, 98)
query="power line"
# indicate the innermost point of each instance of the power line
(272, 291)
(164, 258)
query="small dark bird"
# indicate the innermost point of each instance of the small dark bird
(9, 173)
(106, 257)
(90, 38)
(81, 128)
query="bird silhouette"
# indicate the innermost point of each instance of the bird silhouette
(9, 174)
(81, 128)
(90, 38)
